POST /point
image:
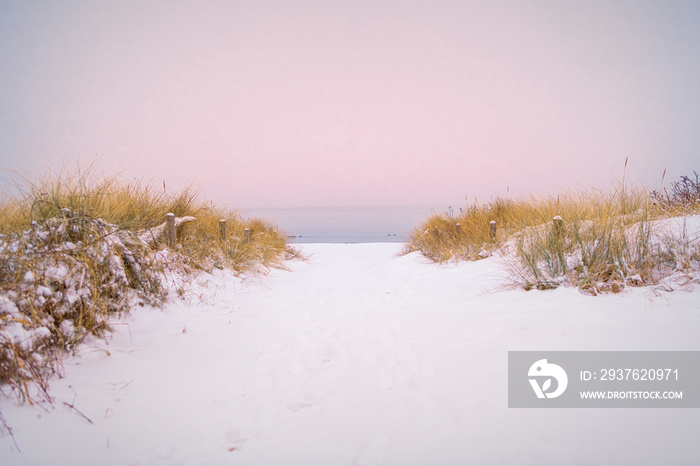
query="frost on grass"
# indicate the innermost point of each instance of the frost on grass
(608, 257)
(60, 281)
(598, 242)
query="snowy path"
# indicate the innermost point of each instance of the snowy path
(357, 357)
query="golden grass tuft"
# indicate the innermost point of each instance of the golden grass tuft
(606, 242)
(72, 254)
(136, 206)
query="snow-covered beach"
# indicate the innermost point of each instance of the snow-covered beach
(357, 356)
(349, 232)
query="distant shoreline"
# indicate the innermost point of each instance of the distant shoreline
(380, 224)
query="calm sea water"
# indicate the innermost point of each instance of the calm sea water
(346, 224)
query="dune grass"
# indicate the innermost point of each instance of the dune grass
(137, 206)
(604, 242)
(76, 249)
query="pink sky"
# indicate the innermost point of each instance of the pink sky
(317, 103)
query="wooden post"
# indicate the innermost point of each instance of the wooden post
(246, 235)
(170, 229)
(222, 230)
(492, 230)
(558, 226)
(459, 228)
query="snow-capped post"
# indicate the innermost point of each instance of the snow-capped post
(246, 235)
(459, 228)
(558, 226)
(170, 229)
(492, 230)
(222, 230)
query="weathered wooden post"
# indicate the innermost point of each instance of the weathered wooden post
(459, 228)
(558, 226)
(246, 235)
(492, 230)
(222, 230)
(170, 229)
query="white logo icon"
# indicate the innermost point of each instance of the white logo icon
(547, 371)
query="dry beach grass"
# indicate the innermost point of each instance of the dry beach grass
(603, 243)
(76, 249)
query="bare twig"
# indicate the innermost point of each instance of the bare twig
(9, 431)
(78, 411)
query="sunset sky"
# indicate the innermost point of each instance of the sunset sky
(330, 103)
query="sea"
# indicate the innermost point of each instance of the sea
(347, 224)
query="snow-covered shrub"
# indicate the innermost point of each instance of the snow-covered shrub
(77, 248)
(60, 281)
(609, 255)
(607, 241)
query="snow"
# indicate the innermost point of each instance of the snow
(16, 332)
(356, 357)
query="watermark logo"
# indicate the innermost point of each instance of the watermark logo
(603, 379)
(544, 371)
